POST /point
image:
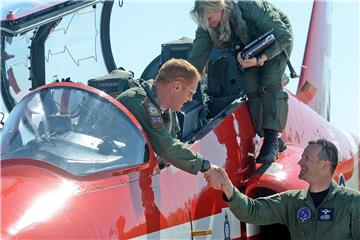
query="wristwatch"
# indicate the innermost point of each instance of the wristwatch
(205, 166)
(163, 164)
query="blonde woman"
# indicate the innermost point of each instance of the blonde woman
(225, 24)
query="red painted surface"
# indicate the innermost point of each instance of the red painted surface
(131, 202)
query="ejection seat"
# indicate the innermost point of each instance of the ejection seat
(223, 81)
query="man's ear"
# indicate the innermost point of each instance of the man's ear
(177, 86)
(326, 165)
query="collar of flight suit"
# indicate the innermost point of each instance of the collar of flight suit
(305, 194)
(149, 89)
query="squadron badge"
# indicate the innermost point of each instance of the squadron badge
(304, 214)
(154, 114)
(153, 110)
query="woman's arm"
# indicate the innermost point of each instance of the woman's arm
(201, 49)
(265, 17)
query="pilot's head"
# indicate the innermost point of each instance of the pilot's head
(176, 83)
(319, 160)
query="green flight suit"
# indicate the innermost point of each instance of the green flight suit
(270, 110)
(160, 128)
(337, 216)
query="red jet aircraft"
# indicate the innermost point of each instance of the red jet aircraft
(76, 164)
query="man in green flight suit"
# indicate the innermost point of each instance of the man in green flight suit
(154, 104)
(231, 25)
(324, 211)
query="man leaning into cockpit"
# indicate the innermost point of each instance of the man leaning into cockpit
(154, 104)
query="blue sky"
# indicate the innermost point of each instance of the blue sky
(139, 28)
(345, 111)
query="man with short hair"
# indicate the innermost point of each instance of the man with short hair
(154, 105)
(324, 211)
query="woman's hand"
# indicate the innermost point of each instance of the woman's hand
(251, 62)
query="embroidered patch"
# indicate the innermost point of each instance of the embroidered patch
(153, 110)
(325, 214)
(304, 214)
(153, 114)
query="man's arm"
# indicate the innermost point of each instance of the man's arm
(173, 150)
(260, 211)
(167, 147)
(355, 217)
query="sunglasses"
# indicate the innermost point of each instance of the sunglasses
(326, 147)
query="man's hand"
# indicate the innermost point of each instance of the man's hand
(213, 177)
(218, 179)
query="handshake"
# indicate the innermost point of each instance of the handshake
(218, 179)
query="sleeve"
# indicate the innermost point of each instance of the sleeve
(261, 211)
(201, 49)
(355, 217)
(167, 147)
(265, 17)
(173, 150)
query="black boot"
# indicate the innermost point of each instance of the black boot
(270, 148)
(282, 144)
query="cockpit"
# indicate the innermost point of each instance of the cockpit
(73, 129)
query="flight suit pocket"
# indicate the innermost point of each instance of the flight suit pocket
(275, 110)
(337, 228)
(281, 108)
(303, 230)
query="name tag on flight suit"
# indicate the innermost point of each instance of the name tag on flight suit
(325, 214)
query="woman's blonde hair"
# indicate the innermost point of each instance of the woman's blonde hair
(223, 31)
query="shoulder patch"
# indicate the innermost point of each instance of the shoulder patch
(153, 113)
